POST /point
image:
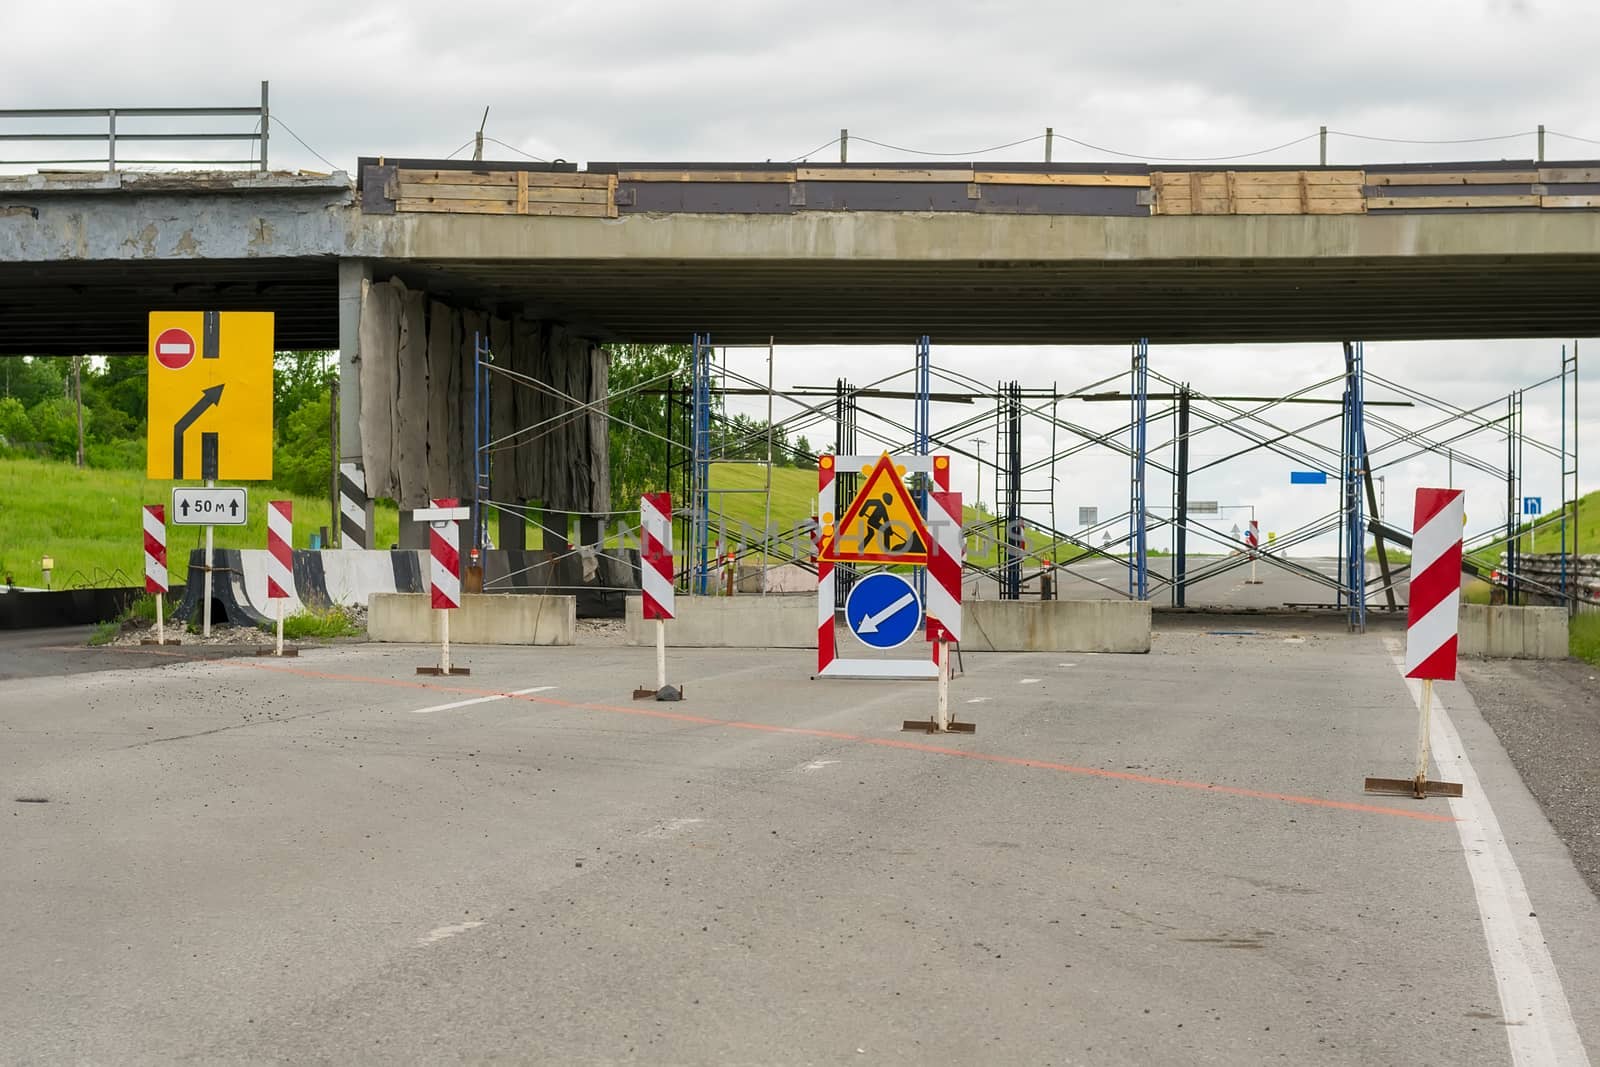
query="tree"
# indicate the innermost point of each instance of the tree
(300, 379)
(803, 456)
(55, 425)
(301, 462)
(15, 426)
(639, 378)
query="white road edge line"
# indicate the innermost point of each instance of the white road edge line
(1028, 681)
(1539, 1024)
(481, 700)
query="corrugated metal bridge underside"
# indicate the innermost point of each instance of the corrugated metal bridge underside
(997, 302)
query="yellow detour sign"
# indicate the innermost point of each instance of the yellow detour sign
(881, 525)
(210, 413)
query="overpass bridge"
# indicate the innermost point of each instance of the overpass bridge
(399, 267)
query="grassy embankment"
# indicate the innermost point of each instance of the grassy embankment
(88, 521)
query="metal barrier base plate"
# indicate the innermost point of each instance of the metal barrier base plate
(270, 652)
(929, 726)
(1410, 787)
(437, 671)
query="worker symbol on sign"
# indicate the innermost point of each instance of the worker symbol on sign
(890, 535)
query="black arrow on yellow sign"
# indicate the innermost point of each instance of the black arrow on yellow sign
(208, 398)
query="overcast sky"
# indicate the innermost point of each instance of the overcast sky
(1165, 79)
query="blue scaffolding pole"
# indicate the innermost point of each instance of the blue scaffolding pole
(1354, 541)
(1138, 562)
(700, 486)
(481, 358)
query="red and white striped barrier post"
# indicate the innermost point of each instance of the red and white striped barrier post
(944, 590)
(280, 559)
(827, 649)
(444, 571)
(1432, 623)
(655, 577)
(155, 563)
(1252, 539)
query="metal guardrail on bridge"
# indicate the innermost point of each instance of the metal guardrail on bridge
(110, 137)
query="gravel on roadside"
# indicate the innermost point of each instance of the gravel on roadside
(1547, 715)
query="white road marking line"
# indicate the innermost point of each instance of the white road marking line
(481, 700)
(670, 827)
(977, 700)
(447, 931)
(1029, 681)
(1539, 1024)
(1066, 664)
(818, 764)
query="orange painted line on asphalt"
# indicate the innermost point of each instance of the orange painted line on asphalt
(881, 742)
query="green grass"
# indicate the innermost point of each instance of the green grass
(1583, 637)
(1583, 532)
(89, 522)
(326, 623)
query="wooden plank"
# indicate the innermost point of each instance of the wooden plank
(1569, 201)
(1286, 191)
(1378, 203)
(1317, 178)
(995, 177)
(523, 193)
(1557, 175)
(706, 175)
(611, 197)
(458, 192)
(507, 178)
(882, 174)
(1462, 177)
(1218, 205)
(501, 207)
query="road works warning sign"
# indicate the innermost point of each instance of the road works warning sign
(210, 413)
(881, 525)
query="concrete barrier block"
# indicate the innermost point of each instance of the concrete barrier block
(1500, 631)
(1055, 626)
(731, 622)
(482, 619)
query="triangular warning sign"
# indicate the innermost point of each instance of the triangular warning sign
(881, 525)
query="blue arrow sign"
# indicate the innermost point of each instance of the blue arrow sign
(1533, 505)
(882, 610)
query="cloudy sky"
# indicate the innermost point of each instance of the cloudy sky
(1165, 80)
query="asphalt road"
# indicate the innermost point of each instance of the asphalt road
(1162, 858)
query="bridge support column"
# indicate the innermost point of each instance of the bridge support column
(355, 506)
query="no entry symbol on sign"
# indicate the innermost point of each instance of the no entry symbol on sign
(174, 348)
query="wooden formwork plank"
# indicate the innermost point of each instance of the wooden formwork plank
(503, 207)
(706, 175)
(1424, 203)
(883, 174)
(1461, 177)
(994, 177)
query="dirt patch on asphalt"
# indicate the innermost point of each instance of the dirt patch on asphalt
(1547, 715)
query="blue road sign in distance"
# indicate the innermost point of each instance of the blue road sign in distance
(1308, 478)
(882, 610)
(1533, 505)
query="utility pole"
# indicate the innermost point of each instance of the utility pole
(477, 150)
(77, 387)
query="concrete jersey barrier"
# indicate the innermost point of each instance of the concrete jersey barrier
(482, 619)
